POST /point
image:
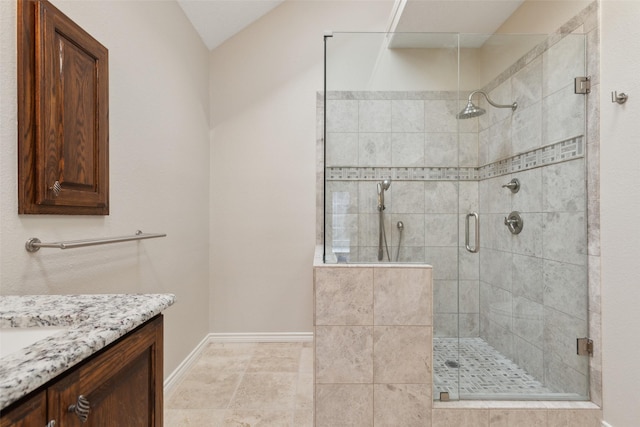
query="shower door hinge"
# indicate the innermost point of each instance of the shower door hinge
(585, 347)
(582, 85)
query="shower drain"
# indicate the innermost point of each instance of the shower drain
(452, 364)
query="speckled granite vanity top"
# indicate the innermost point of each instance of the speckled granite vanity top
(93, 321)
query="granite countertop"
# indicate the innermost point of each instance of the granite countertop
(94, 322)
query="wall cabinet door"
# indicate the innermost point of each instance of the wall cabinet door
(62, 115)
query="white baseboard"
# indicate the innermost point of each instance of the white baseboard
(174, 378)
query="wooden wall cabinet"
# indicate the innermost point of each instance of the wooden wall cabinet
(122, 384)
(63, 115)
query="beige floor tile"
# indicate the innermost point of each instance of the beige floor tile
(211, 392)
(245, 384)
(258, 418)
(303, 418)
(306, 361)
(275, 358)
(266, 390)
(215, 350)
(304, 392)
(193, 417)
(208, 367)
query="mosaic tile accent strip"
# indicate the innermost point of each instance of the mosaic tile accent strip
(483, 370)
(346, 95)
(559, 152)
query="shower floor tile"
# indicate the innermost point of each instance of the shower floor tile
(483, 370)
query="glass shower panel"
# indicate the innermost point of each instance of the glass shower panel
(523, 295)
(391, 169)
(390, 149)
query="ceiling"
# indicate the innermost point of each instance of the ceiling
(477, 18)
(454, 16)
(218, 20)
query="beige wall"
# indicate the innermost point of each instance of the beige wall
(263, 113)
(159, 148)
(620, 151)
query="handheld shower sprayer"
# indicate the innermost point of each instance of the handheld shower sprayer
(382, 187)
(382, 236)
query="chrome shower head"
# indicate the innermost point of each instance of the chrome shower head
(472, 110)
(386, 184)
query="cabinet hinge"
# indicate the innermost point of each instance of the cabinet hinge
(582, 85)
(585, 347)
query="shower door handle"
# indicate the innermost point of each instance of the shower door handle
(476, 246)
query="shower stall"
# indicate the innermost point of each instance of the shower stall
(468, 152)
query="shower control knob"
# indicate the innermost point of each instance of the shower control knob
(514, 222)
(513, 185)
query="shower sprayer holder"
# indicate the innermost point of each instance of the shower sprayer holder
(513, 185)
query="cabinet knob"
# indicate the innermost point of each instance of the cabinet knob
(51, 423)
(81, 408)
(56, 188)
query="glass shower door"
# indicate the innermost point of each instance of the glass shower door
(523, 295)
(392, 166)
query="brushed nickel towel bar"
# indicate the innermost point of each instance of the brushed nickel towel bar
(34, 244)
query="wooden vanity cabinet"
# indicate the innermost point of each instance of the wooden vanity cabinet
(122, 385)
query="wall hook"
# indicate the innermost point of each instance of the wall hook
(620, 98)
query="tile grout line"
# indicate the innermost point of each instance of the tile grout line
(235, 391)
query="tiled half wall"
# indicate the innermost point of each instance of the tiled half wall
(373, 335)
(374, 361)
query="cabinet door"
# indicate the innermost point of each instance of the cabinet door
(123, 384)
(31, 413)
(63, 114)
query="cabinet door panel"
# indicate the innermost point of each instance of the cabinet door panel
(128, 392)
(70, 68)
(31, 413)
